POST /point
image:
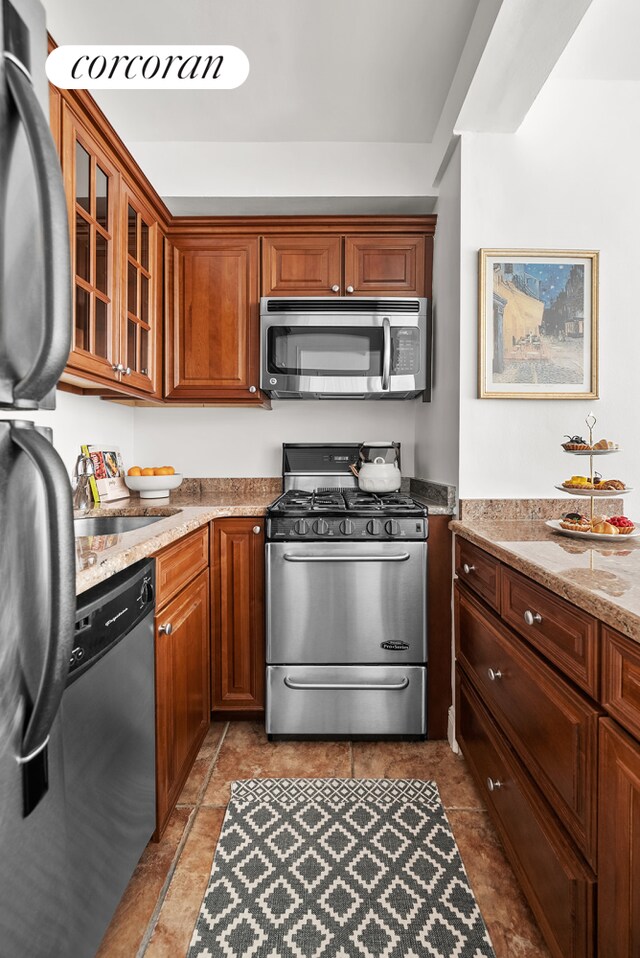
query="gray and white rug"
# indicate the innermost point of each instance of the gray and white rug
(335, 868)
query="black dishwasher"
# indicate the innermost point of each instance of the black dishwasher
(108, 721)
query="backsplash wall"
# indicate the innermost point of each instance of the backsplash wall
(248, 442)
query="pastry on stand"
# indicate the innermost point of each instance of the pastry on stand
(593, 486)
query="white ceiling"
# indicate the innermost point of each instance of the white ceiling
(321, 70)
(350, 105)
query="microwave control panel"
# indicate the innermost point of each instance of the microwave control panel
(405, 351)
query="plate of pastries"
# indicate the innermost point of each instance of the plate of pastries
(594, 486)
(600, 527)
(579, 447)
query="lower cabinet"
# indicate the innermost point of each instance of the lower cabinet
(237, 603)
(182, 670)
(619, 846)
(530, 736)
(559, 885)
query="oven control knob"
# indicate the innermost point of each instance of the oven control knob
(347, 527)
(374, 527)
(301, 527)
(320, 527)
(392, 528)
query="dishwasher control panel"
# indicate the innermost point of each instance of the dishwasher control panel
(108, 612)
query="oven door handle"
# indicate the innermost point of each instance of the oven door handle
(309, 557)
(386, 359)
(347, 686)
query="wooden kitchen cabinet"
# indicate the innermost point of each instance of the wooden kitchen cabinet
(182, 636)
(619, 845)
(140, 261)
(326, 264)
(387, 265)
(527, 720)
(116, 262)
(237, 601)
(305, 265)
(212, 348)
(92, 184)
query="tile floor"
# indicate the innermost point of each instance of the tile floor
(155, 919)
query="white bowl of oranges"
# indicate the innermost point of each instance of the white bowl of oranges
(154, 482)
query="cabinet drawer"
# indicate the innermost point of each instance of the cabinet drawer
(559, 887)
(478, 570)
(179, 563)
(552, 727)
(567, 636)
(621, 679)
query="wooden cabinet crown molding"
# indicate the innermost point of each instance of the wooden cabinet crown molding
(267, 225)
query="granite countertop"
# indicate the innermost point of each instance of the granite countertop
(98, 557)
(599, 576)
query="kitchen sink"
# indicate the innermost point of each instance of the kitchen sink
(111, 525)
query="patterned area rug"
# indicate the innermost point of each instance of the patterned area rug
(335, 868)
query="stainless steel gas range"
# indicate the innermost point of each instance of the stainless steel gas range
(346, 604)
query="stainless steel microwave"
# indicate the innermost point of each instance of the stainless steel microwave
(344, 347)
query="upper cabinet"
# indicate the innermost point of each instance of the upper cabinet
(116, 252)
(373, 264)
(301, 265)
(141, 267)
(91, 183)
(388, 265)
(212, 346)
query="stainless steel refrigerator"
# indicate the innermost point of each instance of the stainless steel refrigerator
(37, 563)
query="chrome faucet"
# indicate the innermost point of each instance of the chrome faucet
(82, 494)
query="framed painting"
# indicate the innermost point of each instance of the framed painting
(538, 324)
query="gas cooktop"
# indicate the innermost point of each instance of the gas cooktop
(298, 502)
(345, 514)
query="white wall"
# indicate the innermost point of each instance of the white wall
(248, 442)
(437, 422)
(567, 180)
(78, 419)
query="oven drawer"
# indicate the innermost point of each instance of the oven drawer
(346, 700)
(346, 602)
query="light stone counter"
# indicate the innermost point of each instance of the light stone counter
(601, 577)
(98, 557)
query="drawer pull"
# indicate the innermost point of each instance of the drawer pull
(494, 674)
(493, 784)
(532, 618)
(466, 568)
(166, 629)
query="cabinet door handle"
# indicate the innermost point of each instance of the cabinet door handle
(467, 569)
(252, 389)
(118, 368)
(335, 288)
(493, 784)
(494, 674)
(532, 618)
(257, 530)
(350, 289)
(165, 629)
(127, 371)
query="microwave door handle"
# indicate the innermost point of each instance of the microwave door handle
(56, 313)
(63, 605)
(386, 356)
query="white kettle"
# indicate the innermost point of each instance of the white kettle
(377, 469)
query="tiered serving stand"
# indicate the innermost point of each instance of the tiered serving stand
(593, 494)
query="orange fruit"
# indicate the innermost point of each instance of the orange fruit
(135, 471)
(148, 472)
(162, 471)
(170, 470)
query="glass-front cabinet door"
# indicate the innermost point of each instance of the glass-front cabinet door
(139, 291)
(91, 184)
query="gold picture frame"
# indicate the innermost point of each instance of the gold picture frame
(538, 324)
